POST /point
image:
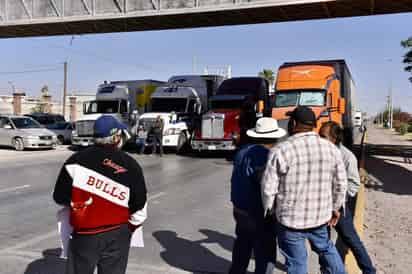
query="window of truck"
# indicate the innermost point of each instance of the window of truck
(300, 98)
(94, 107)
(169, 104)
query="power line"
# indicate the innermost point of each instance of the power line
(30, 71)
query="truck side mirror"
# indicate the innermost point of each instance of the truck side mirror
(198, 108)
(341, 106)
(8, 126)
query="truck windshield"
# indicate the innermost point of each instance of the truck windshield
(22, 123)
(226, 104)
(169, 104)
(101, 107)
(300, 98)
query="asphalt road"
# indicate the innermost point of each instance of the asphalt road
(189, 228)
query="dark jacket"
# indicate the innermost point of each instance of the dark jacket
(103, 187)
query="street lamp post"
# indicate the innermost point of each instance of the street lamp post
(390, 99)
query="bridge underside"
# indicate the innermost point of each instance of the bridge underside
(22, 18)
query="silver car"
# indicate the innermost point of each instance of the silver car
(23, 132)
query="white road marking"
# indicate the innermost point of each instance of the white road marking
(53, 233)
(32, 241)
(11, 189)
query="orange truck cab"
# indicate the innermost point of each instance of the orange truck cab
(324, 86)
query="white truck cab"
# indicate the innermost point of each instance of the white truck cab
(120, 99)
(175, 106)
(110, 100)
(358, 119)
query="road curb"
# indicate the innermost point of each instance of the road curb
(359, 215)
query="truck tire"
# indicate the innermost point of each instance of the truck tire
(60, 140)
(18, 144)
(182, 143)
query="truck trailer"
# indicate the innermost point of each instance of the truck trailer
(122, 99)
(326, 86)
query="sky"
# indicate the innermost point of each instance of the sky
(370, 45)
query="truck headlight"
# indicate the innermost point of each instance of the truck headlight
(173, 131)
(74, 133)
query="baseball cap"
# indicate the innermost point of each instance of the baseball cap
(303, 115)
(107, 126)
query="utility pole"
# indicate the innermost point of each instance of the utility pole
(65, 89)
(194, 65)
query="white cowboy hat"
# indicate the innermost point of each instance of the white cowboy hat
(267, 128)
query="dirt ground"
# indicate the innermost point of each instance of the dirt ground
(388, 216)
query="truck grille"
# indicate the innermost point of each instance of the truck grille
(213, 126)
(46, 137)
(85, 128)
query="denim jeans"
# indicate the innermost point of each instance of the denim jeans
(347, 233)
(292, 244)
(141, 143)
(256, 235)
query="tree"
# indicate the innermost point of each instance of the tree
(41, 106)
(44, 91)
(407, 58)
(269, 75)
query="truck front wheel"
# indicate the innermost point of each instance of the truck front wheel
(182, 143)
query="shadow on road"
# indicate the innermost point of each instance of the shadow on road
(51, 263)
(389, 177)
(189, 255)
(225, 241)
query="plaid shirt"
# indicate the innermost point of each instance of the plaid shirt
(307, 176)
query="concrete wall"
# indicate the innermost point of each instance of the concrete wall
(28, 103)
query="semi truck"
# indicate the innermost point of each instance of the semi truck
(179, 104)
(124, 100)
(326, 86)
(234, 109)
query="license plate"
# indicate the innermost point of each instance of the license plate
(211, 147)
(48, 143)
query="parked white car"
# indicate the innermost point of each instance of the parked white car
(23, 132)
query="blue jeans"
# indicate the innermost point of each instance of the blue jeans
(141, 143)
(292, 244)
(347, 233)
(255, 234)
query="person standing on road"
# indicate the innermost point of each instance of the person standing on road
(345, 227)
(157, 135)
(305, 184)
(141, 136)
(253, 230)
(106, 192)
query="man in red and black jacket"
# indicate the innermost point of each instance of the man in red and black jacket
(106, 192)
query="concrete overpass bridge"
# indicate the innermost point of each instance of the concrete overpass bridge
(20, 18)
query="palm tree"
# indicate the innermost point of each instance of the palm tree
(407, 59)
(269, 75)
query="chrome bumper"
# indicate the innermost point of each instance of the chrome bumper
(82, 141)
(213, 145)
